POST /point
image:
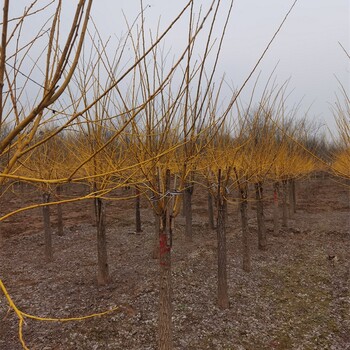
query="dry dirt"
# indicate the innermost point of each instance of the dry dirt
(295, 297)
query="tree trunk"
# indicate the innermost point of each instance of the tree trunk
(245, 230)
(155, 249)
(306, 191)
(226, 209)
(276, 223)
(223, 301)
(165, 285)
(102, 263)
(183, 211)
(188, 211)
(211, 210)
(284, 204)
(138, 227)
(294, 196)
(165, 294)
(47, 228)
(60, 231)
(291, 198)
(262, 244)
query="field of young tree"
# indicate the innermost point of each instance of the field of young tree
(142, 209)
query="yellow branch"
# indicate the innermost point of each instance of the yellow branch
(21, 315)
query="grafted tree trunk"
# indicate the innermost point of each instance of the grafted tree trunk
(284, 203)
(165, 283)
(262, 243)
(276, 216)
(138, 227)
(157, 217)
(47, 228)
(102, 258)
(188, 211)
(223, 301)
(60, 230)
(245, 229)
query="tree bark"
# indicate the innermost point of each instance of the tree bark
(47, 228)
(60, 230)
(245, 230)
(284, 204)
(188, 211)
(226, 209)
(306, 191)
(294, 196)
(138, 227)
(183, 211)
(211, 210)
(262, 243)
(291, 198)
(223, 301)
(102, 258)
(155, 249)
(165, 283)
(165, 294)
(276, 216)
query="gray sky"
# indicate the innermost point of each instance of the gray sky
(306, 50)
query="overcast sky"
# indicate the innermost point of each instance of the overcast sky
(306, 50)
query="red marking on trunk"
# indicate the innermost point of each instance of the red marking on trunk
(163, 248)
(163, 245)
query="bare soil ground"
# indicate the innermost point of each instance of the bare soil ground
(295, 297)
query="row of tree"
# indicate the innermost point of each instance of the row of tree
(157, 124)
